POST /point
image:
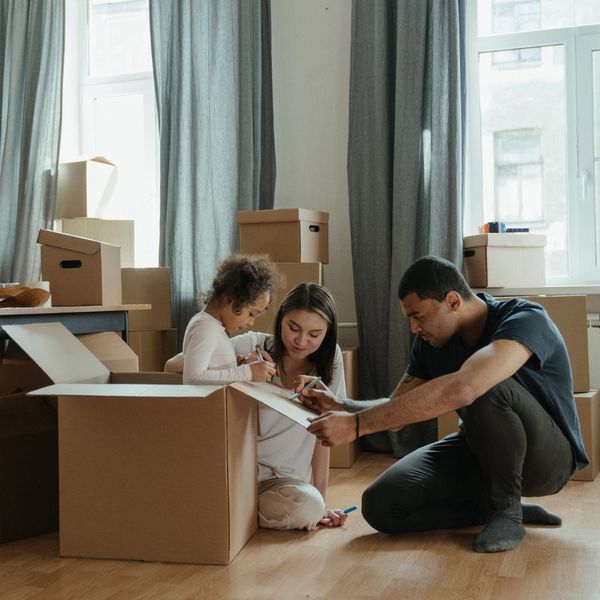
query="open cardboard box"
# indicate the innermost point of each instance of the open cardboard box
(150, 471)
(85, 186)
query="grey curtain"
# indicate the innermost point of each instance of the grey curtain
(212, 70)
(31, 68)
(405, 173)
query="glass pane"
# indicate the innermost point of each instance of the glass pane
(119, 37)
(511, 16)
(523, 147)
(119, 135)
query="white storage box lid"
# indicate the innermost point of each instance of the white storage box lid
(505, 239)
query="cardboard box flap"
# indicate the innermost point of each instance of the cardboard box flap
(58, 353)
(282, 215)
(127, 390)
(505, 239)
(74, 243)
(274, 398)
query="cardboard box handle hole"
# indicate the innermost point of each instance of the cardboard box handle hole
(70, 264)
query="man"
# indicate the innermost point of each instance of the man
(504, 367)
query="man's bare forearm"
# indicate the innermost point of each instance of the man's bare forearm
(426, 401)
(353, 406)
(406, 382)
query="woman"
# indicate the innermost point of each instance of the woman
(304, 343)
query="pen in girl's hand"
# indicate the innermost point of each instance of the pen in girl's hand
(309, 385)
(259, 353)
(350, 509)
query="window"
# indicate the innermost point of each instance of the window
(534, 132)
(518, 177)
(114, 108)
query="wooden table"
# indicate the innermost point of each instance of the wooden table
(77, 319)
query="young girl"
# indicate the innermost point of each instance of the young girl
(304, 342)
(240, 291)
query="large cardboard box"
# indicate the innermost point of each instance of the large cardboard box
(81, 272)
(343, 457)
(28, 454)
(504, 260)
(153, 347)
(151, 285)
(116, 232)
(588, 409)
(84, 187)
(293, 274)
(569, 313)
(180, 459)
(287, 234)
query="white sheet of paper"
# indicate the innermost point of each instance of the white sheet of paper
(272, 396)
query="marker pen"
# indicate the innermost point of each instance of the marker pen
(350, 509)
(308, 386)
(259, 353)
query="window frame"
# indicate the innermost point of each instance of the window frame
(91, 87)
(576, 41)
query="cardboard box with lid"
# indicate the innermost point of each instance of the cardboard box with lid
(181, 459)
(504, 260)
(81, 272)
(287, 235)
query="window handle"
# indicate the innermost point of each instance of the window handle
(583, 182)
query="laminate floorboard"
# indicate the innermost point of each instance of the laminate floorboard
(329, 564)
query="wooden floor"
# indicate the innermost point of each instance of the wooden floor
(349, 562)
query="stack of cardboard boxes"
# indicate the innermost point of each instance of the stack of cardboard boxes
(85, 266)
(297, 239)
(489, 261)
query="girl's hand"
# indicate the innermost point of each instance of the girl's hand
(247, 359)
(333, 517)
(262, 371)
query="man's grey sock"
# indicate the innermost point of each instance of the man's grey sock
(534, 514)
(502, 533)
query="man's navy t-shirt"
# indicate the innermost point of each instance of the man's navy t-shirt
(546, 375)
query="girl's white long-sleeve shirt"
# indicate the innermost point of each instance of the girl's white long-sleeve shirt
(209, 355)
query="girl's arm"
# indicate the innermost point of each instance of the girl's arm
(203, 345)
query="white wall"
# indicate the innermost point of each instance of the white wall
(311, 70)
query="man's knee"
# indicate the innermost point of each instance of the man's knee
(377, 502)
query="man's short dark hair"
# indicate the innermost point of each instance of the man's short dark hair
(433, 277)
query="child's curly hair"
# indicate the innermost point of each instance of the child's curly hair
(241, 279)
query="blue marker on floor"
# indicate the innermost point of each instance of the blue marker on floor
(350, 509)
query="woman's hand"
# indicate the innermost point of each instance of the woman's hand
(319, 398)
(262, 371)
(333, 517)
